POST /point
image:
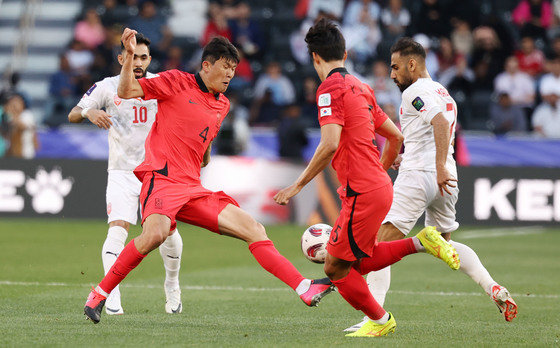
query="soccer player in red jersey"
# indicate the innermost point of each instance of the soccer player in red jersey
(191, 109)
(349, 117)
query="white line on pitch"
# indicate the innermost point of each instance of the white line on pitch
(251, 289)
(500, 232)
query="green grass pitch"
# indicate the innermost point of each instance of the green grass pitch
(47, 267)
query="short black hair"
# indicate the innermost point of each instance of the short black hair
(325, 39)
(407, 46)
(218, 48)
(140, 40)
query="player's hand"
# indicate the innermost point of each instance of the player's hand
(99, 118)
(444, 179)
(128, 39)
(397, 163)
(284, 195)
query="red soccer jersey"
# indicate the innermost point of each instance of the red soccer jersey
(344, 100)
(188, 119)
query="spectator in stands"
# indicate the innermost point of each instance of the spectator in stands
(281, 88)
(307, 102)
(23, 139)
(234, 132)
(153, 26)
(432, 64)
(519, 86)
(217, 25)
(506, 117)
(386, 91)
(79, 57)
(462, 37)
(174, 59)
(361, 29)
(62, 94)
(107, 10)
(534, 17)
(292, 134)
(331, 8)
(546, 118)
(10, 82)
(458, 80)
(488, 57)
(395, 19)
(531, 59)
(446, 55)
(90, 31)
(246, 32)
(432, 19)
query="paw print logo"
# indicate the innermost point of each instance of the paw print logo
(48, 190)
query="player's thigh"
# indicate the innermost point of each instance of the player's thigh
(388, 232)
(235, 222)
(410, 200)
(155, 230)
(123, 190)
(441, 212)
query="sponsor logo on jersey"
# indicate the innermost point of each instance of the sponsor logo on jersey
(326, 112)
(91, 89)
(117, 100)
(324, 99)
(418, 103)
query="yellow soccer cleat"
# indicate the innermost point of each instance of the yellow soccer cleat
(371, 329)
(436, 245)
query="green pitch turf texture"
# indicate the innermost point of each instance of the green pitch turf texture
(47, 267)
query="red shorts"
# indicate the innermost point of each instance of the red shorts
(190, 203)
(354, 235)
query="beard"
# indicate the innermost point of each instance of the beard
(404, 84)
(138, 70)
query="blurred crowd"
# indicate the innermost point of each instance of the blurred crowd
(499, 59)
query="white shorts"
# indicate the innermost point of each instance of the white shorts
(123, 190)
(416, 192)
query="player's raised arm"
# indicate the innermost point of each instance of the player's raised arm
(330, 138)
(393, 145)
(129, 87)
(441, 137)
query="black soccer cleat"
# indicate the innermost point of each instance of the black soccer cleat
(94, 306)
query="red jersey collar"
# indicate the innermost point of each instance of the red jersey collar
(341, 70)
(203, 87)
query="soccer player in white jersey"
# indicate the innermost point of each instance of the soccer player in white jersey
(129, 122)
(427, 174)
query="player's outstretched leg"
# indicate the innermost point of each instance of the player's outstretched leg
(113, 246)
(471, 266)
(155, 231)
(171, 251)
(234, 222)
(436, 245)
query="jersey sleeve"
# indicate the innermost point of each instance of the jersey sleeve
(330, 104)
(95, 96)
(422, 104)
(163, 85)
(379, 116)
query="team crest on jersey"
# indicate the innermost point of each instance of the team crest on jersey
(91, 89)
(324, 99)
(117, 100)
(418, 103)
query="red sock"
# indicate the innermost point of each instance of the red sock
(386, 254)
(271, 260)
(354, 289)
(128, 259)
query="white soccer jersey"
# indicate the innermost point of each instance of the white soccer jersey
(132, 120)
(421, 101)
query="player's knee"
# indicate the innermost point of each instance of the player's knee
(330, 270)
(120, 223)
(257, 232)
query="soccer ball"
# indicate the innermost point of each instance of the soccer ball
(314, 242)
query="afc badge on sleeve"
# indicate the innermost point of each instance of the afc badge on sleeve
(324, 99)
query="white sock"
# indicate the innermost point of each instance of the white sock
(114, 244)
(382, 320)
(417, 244)
(171, 251)
(378, 284)
(471, 266)
(303, 287)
